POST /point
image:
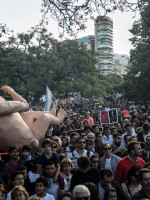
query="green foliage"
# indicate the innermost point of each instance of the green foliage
(137, 81)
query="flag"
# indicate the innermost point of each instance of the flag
(49, 97)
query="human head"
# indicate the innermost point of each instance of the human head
(73, 138)
(81, 142)
(114, 130)
(94, 195)
(146, 127)
(65, 141)
(133, 173)
(19, 192)
(91, 137)
(41, 184)
(49, 169)
(111, 194)
(128, 127)
(98, 139)
(13, 152)
(148, 140)
(80, 192)
(66, 165)
(95, 128)
(25, 151)
(83, 163)
(87, 129)
(144, 177)
(107, 130)
(134, 149)
(2, 192)
(95, 161)
(66, 196)
(18, 178)
(24, 170)
(107, 150)
(105, 176)
(117, 139)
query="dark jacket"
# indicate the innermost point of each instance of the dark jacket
(80, 178)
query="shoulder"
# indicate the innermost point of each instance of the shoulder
(49, 196)
(116, 157)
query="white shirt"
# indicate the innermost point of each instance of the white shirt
(53, 188)
(33, 176)
(108, 164)
(47, 197)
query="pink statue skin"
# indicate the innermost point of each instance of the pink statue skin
(27, 127)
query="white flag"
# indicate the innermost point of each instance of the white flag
(49, 97)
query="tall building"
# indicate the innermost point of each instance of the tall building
(88, 41)
(104, 44)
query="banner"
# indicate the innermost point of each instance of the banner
(109, 116)
(49, 97)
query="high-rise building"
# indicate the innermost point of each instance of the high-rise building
(104, 44)
(88, 41)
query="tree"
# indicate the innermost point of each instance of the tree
(137, 80)
(72, 15)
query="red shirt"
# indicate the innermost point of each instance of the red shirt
(123, 166)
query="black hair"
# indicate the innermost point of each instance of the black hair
(83, 162)
(42, 180)
(12, 148)
(105, 172)
(16, 174)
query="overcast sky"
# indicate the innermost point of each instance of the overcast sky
(21, 15)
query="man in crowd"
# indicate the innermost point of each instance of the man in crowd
(12, 165)
(107, 137)
(79, 151)
(129, 131)
(106, 182)
(117, 146)
(73, 143)
(84, 173)
(54, 188)
(144, 177)
(134, 151)
(109, 160)
(81, 192)
(17, 180)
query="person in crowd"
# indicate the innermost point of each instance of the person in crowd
(2, 192)
(95, 128)
(114, 130)
(26, 158)
(107, 137)
(144, 178)
(66, 196)
(117, 147)
(129, 131)
(132, 185)
(84, 173)
(65, 143)
(94, 147)
(98, 141)
(87, 129)
(17, 180)
(12, 165)
(111, 194)
(56, 148)
(95, 162)
(94, 195)
(73, 143)
(89, 119)
(134, 151)
(33, 174)
(19, 193)
(48, 155)
(40, 186)
(106, 181)
(79, 151)
(66, 167)
(146, 132)
(54, 188)
(81, 192)
(109, 160)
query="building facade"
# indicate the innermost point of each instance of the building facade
(88, 41)
(104, 44)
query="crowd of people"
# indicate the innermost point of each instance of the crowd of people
(82, 159)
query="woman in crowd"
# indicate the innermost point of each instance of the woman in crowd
(132, 185)
(93, 191)
(111, 194)
(2, 192)
(65, 143)
(19, 193)
(95, 161)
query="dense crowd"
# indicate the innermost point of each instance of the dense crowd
(82, 158)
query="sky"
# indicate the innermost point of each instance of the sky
(21, 15)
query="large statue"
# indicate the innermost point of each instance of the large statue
(27, 127)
